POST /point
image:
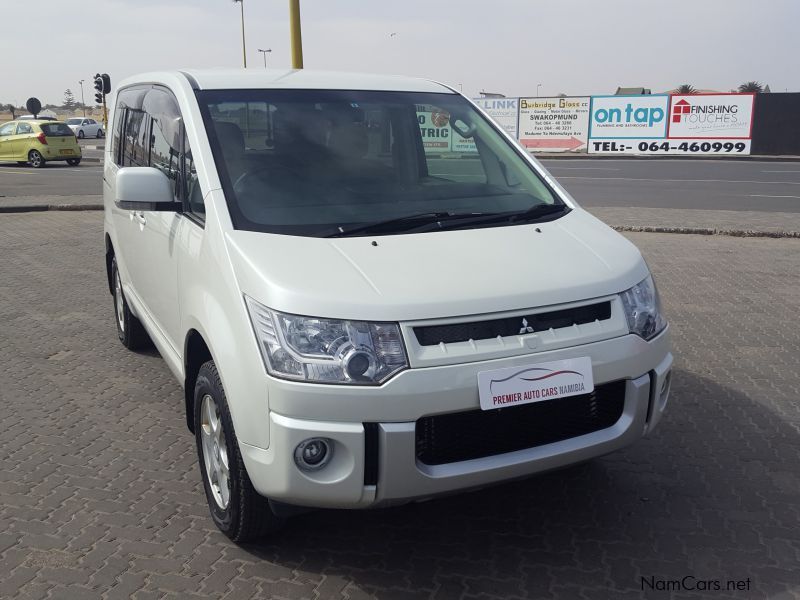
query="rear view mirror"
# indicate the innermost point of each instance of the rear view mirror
(144, 188)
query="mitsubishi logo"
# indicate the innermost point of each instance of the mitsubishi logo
(525, 327)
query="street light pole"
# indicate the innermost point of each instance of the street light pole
(538, 85)
(264, 52)
(244, 51)
(83, 101)
(297, 38)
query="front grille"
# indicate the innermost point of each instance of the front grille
(432, 335)
(473, 434)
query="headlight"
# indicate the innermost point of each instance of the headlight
(643, 309)
(327, 350)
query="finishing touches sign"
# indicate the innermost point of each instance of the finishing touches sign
(718, 116)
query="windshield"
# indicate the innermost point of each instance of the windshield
(321, 163)
(56, 130)
(74, 121)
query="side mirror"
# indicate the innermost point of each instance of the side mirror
(144, 188)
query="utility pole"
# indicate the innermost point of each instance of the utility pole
(244, 51)
(83, 100)
(297, 38)
(538, 85)
(264, 52)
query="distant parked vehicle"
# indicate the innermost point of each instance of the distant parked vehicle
(37, 118)
(84, 128)
(37, 142)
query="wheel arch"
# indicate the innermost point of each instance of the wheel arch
(195, 353)
(109, 258)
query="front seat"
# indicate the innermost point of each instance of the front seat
(231, 142)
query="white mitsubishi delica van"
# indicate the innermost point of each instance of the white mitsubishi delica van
(370, 293)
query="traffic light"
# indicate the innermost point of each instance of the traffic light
(106, 83)
(99, 86)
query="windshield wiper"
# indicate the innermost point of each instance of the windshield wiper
(405, 223)
(535, 213)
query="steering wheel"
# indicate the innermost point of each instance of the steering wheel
(245, 178)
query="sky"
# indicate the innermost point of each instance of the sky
(574, 47)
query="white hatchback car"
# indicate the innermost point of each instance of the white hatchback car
(370, 293)
(84, 127)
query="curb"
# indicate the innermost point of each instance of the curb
(708, 231)
(47, 207)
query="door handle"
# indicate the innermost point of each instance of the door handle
(140, 218)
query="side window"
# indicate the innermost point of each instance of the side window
(24, 128)
(135, 134)
(7, 129)
(116, 138)
(194, 196)
(166, 138)
(128, 120)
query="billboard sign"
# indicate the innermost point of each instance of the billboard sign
(504, 112)
(711, 116)
(434, 125)
(694, 124)
(554, 124)
(615, 117)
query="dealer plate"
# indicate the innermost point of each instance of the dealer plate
(534, 383)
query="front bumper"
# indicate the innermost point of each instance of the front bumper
(375, 462)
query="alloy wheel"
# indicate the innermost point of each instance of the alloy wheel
(119, 303)
(215, 452)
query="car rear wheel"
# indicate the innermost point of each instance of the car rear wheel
(237, 509)
(100, 134)
(130, 330)
(81, 135)
(36, 159)
(73, 162)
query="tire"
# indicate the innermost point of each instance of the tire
(236, 508)
(35, 159)
(100, 134)
(81, 135)
(130, 330)
(73, 162)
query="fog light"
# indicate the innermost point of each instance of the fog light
(313, 454)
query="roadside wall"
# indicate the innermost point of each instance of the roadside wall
(777, 124)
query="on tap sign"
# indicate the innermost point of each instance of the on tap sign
(616, 117)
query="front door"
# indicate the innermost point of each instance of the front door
(21, 142)
(6, 140)
(152, 138)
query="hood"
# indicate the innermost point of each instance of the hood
(438, 274)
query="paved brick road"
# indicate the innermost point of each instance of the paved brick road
(99, 492)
